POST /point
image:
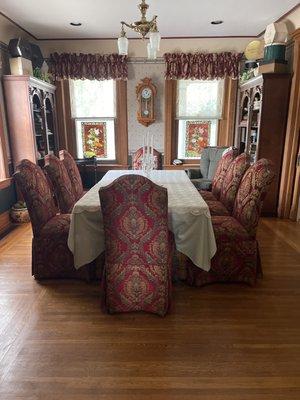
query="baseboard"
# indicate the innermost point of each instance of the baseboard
(5, 222)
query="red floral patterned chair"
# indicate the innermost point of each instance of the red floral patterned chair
(138, 156)
(138, 246)
(230, 186)
(73, 173)
(237, 257)
(61, 182)
(51, 257)
(220, 173)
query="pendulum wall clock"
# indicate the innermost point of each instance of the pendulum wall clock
(146, 93)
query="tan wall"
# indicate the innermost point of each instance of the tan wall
(293, 20)
(137, 48)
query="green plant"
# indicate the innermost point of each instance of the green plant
(44, 76)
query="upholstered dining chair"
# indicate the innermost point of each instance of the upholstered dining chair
(51, 257)
(61, 182)
(138, 157)
(217, 182)
(237, 258)
(231, 183)
(138, 246)
(73, 173)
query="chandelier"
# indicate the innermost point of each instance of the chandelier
(143, 27)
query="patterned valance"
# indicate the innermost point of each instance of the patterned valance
(202, 65)
(88, 66)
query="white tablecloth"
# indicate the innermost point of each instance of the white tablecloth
(189, 219)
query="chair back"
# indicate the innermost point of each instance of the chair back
(137, 159)
(251, 193)
(73, 173)
(210, 157)
(61, 183)
(135, 217)
(222, 167)
(35, 190)
(233, 179)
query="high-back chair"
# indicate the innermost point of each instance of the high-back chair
(73, 173)
(220, 173)
(210, 156)
(61, 182)
(138, 246)
(51, 257)
(231, 183)
(138, 157)
(237, 258)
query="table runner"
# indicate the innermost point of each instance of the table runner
(188, 217)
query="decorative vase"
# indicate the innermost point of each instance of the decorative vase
(19, 213)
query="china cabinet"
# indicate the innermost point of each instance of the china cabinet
(261, 125)
(31, 115)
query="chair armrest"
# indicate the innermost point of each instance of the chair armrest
(194, 173)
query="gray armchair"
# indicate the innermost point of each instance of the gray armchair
(202, 178)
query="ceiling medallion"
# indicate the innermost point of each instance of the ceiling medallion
(143, 27)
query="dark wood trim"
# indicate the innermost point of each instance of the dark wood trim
(170, 128)
(290, 174)
(227, 123)
(164, 37)
(121, 123)
(5, 222)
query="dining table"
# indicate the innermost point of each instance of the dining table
(188, 218)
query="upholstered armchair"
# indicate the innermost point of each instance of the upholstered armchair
(220, 172)
(61, 182)
(202, 178)
(230, 186)
(51, 257)
(138, 156)
(237, 258)
(73, 172)
(138, 246)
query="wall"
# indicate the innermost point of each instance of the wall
(136, 131)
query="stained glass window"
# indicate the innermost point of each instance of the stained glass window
(199, 107)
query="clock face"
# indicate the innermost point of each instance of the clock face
(146, 93)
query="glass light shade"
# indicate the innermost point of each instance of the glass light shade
(151, 52)
(155, 40)
(123, 45)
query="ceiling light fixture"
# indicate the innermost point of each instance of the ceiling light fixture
(217, 22)
(143, 27)
(75, 23)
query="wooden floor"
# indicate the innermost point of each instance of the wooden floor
(221, 342)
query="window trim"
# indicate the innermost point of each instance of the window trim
(66, 124)
(226, 125)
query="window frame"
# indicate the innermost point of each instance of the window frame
(226, 125)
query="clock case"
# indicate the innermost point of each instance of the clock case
(145, 104)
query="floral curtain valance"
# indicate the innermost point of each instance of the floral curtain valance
(88, 66)
(202, 65)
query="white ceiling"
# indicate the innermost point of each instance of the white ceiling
(184, 18)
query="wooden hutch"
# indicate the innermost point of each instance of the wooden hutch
(261, 125)
(31, 115)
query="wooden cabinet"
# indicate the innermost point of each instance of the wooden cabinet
(261, 125)
(31, 116)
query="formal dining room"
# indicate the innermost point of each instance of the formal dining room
(149, 200)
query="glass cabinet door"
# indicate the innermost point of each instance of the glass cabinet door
(37, 109)
(254, 124)
(50, 124)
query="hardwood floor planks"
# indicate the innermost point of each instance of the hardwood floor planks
(221, 342)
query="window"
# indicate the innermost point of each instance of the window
(93, 107)
(199, 106)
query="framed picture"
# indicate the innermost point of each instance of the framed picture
(197, 136)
